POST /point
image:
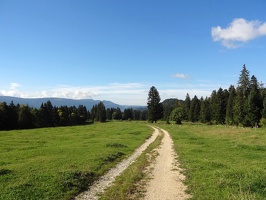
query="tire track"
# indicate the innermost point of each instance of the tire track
(167, 179)
(105, 181)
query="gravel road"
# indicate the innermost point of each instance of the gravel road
(166, 181)
(166, 178)
(106, 180)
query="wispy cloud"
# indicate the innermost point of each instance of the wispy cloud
(121, 93)
(180, 76)
(14, 86)
(238, 32)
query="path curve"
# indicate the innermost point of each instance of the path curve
(167, 179)
(105, 181)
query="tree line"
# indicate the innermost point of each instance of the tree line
(243, 105)
(24, 117)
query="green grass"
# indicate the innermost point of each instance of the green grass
(222, 162)
(58, 163)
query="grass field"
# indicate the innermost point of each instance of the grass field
(222, 162)
(57, 163)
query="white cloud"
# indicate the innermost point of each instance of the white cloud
(12, 91)
(14, 86)
(181, 76)
(120, 93)
(238, 32)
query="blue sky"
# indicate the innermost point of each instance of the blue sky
(117, 49)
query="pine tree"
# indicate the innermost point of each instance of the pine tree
(155, 109)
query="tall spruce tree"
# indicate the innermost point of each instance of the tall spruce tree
(155, 108)
(229, 119)
(255, 103)
(101, 112)
(186, 107)
(194, 112)
(241, 100)
(205, 110)
(244, 82)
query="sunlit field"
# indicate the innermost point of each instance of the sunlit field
(58, 163)
(222, 162)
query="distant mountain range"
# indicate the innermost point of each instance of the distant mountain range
(89, 103)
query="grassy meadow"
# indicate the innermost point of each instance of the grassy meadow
(58, 163)
(221, 162)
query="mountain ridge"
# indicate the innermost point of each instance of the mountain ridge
(89, 103)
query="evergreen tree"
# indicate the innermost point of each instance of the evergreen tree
(229, 119)
(82, 114)
(239, 106)
(25, 117)
(109, 112)
(101, 112)
(255, 103)
(155, 109)
(12, 116)
(136, 114)
(63, 116)
(186, 107)
(3, 116)
(241, 100)
(244, 82)
(93, 113)
(117, 114)
(205, 110)
(144, 115)
(73, 116)
(127, 114)
(194, 112)
(263, 112)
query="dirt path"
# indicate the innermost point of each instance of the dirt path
(166, 182)
(106, 180)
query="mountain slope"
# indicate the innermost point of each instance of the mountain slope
(36, 102)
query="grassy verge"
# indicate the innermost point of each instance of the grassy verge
(126, 186)
(222, 162)
(58, 163)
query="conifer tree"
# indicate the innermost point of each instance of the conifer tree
(244, 82)
(155, 108)
(186, 107)
(205, 111)
(194, 111)
(101, 112)
(229, 119)
(241, 100)
(254, 103)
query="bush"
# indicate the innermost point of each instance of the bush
(263, 122)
